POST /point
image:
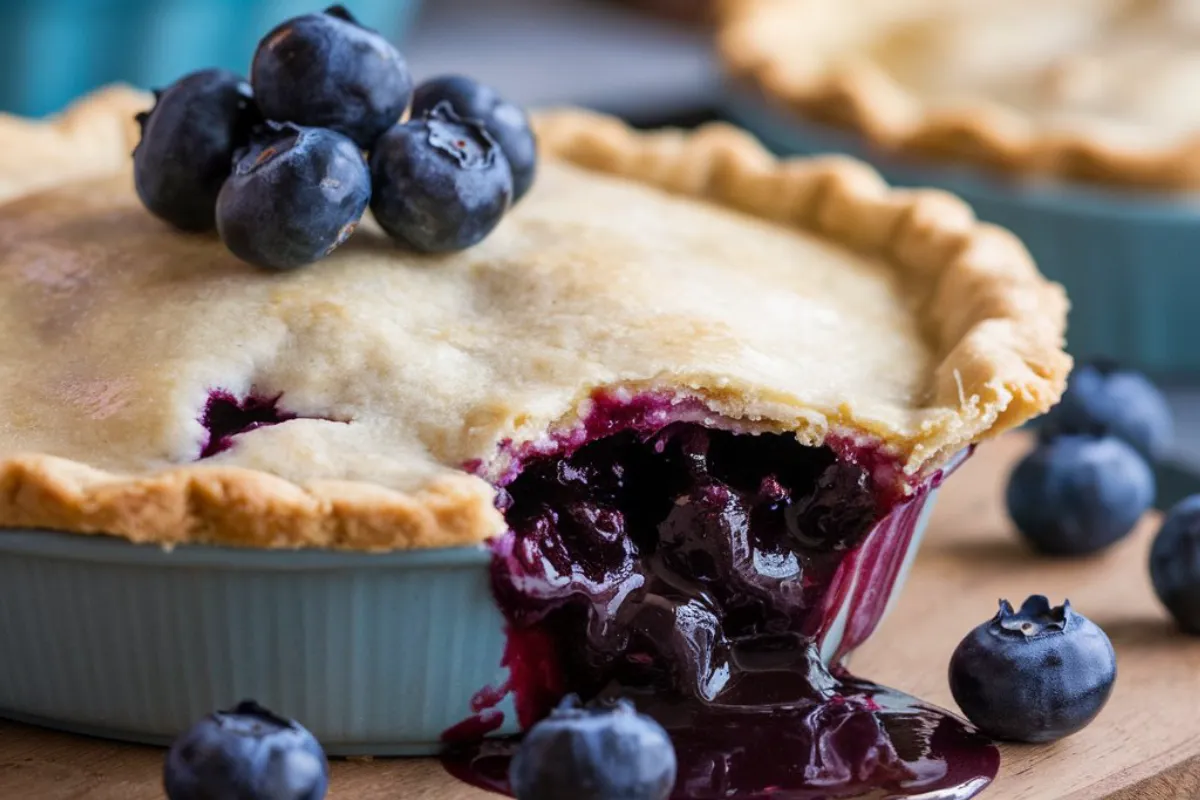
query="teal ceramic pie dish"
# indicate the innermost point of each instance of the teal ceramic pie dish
(377, 654)
(143, 42)
(1127, 259)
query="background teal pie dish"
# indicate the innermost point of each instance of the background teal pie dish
(52, 51)
(377, 654)
(1130, 261)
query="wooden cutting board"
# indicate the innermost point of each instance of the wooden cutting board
(1144, 746)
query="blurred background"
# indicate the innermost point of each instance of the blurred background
(651, 62)
(641, 58)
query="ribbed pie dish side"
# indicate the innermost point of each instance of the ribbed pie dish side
(379, 654)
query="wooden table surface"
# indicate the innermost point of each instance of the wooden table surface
(1144, 746)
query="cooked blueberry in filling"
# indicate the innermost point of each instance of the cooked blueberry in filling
(226, 416)
(698, 572)
(668, 561)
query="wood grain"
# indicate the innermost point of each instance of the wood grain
(1144, 746)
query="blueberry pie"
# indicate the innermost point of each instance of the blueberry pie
(161, 390)
(1083, 89)
(693, 398)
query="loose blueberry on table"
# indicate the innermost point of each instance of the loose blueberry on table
(1075, 495)
(1175, 564)
(609, 752)
(695, 573)
(1104, 399)
(1037, 674)
(246, 753)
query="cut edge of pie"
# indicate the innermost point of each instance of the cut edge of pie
(858, 94)
(997, 327)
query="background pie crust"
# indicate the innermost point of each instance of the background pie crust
(814, 59)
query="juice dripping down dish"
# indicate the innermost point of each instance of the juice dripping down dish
(718, 580)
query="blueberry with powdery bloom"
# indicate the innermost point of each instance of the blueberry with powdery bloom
(441, 183)
(327, 71)
(188, 144)
(1175, 564)
(1104, 399)
(506, 122)
(1076, 495)
(1033, 675)
(246, 753)
(295, 195)
(603, 753)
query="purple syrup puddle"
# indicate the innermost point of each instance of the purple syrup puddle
(226, 416)
(700, 573)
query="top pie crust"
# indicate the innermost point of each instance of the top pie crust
(799, 296)
(1093, 90)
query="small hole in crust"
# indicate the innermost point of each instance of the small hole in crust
(226, 416)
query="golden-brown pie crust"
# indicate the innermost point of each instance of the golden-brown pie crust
(992, 327)
(90, 138)
(859, 94)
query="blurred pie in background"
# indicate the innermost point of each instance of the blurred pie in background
(691, 11)
(1074, 123)
(1098, 90)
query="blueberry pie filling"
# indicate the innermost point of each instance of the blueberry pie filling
(710, 574)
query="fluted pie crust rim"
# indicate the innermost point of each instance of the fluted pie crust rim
(997, 324)
(859, 95)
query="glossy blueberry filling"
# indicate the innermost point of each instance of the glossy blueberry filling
(699, 573)
(676, 563)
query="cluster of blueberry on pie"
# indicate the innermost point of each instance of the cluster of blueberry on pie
(285, 166)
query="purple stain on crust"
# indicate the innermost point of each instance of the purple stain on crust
(226, 416)
(609, 413)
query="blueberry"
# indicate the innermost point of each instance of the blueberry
(838, 514)
(707, 535)
(246, 753)
(1034, 675)
(604, 753)
(1175, 563)
(1078, 494)
(507, 123)
(327, 71)
(1103, 399)
(441, 183)
(295, 195)
(188, 143)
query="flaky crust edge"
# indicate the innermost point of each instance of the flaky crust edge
(860, 96)
(90, 138)
(997, 322)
